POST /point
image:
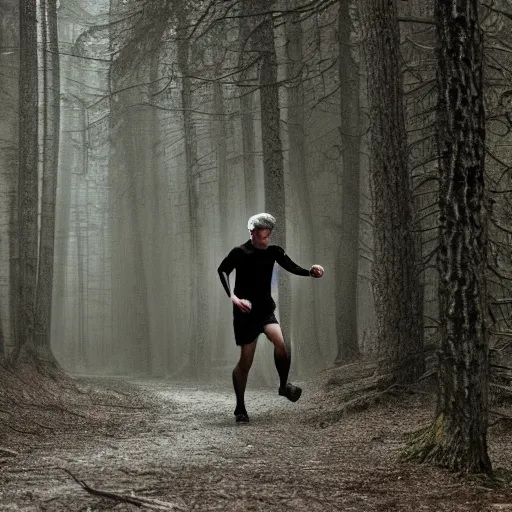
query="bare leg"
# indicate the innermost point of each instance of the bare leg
(240, 374)
(282, 360)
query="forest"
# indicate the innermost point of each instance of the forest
(137, 137)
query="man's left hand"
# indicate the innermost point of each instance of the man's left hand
(316, 271)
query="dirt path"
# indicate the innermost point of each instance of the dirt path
(185, 449)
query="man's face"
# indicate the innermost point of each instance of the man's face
(261, 238)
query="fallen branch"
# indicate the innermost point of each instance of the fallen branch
(42, 426)
(139, 501)
(503, 333)
(46, 406)
(23, 431)
(133, 407)
(428, 374)
(5, 452)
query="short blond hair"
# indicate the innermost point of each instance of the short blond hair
(261, 221)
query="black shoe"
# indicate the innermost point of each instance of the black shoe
(242, 417)
(291, 392)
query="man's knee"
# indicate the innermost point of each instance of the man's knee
(280, 349)
(245, 363)
(246, 357)
(276, 338)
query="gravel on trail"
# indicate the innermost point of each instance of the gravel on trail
(164, 445)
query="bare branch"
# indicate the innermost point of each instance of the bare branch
(424, 21)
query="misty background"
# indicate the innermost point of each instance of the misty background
(161, 164)
(178, 120)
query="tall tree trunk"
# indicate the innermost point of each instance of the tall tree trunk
(220, 130)
(221, 137)
(198, 363)
(51, 124)
(28, 175)
(9, 128)
(156, 226)
(63, 320)
(81, 258)
(273, 153)
(307, 341)
(136, 158)
(459, 435)
(246, 112)
(395, 267)
(114, 205)
(142, 312)
(350, 134)
(420, 108)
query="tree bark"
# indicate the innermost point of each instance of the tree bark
(220, 138)
(9, 129)
(81, 234)
(273, 153)
(307, 340)
(350, 134)
(247, 100)
(463, 354)
(51, 124)
(156, 224)
(420, 111)
(28, 175)
(198, 361)
(395, 266)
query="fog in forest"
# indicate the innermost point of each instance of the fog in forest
(136, 140)
(161, 161)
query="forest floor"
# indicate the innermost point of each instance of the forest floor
(175, 446)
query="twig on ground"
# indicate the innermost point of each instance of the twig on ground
(6, 452)
(42, 426)
(139, 501)
(23, 431)
(51, 406)
(120, 406)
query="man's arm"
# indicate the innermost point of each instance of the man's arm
(225, 268)
(285, 261)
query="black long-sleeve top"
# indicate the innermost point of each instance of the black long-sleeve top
(254, 273)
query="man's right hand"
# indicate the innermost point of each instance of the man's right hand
(242, 304)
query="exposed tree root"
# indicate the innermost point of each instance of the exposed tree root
(35, 403)
(357, 386)
(501, 418)
(360, 400)
(348, 373)
(139, 501)
(357, 404)
(52, 406)
(426, 445)
(423, 442)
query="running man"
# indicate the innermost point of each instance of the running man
(253, 305)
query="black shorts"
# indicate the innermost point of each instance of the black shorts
(248, 327)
